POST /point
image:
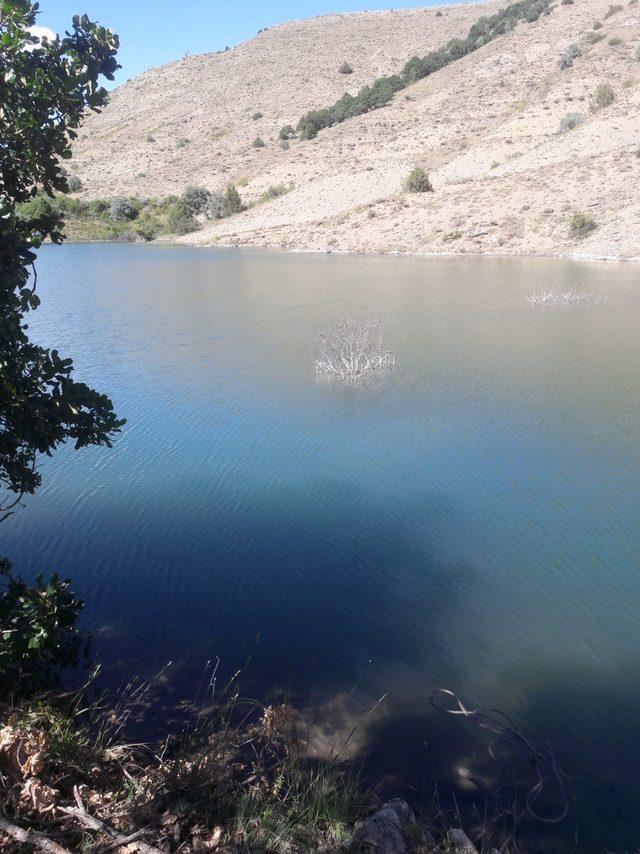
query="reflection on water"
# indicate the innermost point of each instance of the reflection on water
(470, 522)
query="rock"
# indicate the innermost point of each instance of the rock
(384, 830)
(461, 842)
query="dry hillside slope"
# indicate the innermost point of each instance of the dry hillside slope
(486, 128)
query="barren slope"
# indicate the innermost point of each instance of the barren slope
(486, 128)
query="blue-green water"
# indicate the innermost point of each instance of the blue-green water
(469, 522)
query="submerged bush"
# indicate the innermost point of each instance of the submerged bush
(418, 181)
(604, 96)
(581, 225)
(570, 121)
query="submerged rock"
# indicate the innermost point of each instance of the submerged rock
(384, 830)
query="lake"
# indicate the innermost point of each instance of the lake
(470, 521)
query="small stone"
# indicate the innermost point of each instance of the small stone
(384, 830)
(461, 842)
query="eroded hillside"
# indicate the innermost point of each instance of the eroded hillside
(490, 129)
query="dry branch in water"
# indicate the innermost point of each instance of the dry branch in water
(571, 297)
(349, 352)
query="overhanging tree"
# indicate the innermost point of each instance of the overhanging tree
(46, 86)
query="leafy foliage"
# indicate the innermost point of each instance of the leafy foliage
(570, 121)
(231, 202)
(122, 210)
(603, 97)
(287, 132)
(581, 225)
(383, 89)
(45, 88)
(181, 220)
(567, 58)
(418, 181)
(196, 199)
(38, 631)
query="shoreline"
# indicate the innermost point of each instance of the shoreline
(301, 250)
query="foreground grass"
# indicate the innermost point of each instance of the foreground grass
(65, 773)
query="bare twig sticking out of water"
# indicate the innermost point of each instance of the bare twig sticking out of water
(570, 297)
(349, 352)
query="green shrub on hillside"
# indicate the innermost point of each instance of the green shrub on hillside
(196, 199)
(603, 97)
(637, 53)
(570, 121)
(594, 38)
(597, 25)
(615, 41)
(180, 219)
(287, 132)
(613, 9)
(74, 183)
(122, 210)
(418, 181)
(581, 225)
(383, 89)
(215, 206)
(258, 143)
(231, 202)
(274, 192)
(345, 68)
(571, 53)
(256, 116)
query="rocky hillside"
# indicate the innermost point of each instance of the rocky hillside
(514, 139)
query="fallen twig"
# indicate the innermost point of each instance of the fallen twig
(32, 837)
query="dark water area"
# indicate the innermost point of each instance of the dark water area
(469, 522)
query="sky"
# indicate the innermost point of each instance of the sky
(153, 32)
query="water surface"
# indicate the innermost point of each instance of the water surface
(470, 522)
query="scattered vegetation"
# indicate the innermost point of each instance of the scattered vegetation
(603, 97)
(613, 9)
(597, 25)
(275, 191)
(287, 132)
(256, 116)
(258, 143)
(122, 209)
(637, 53)
(567, 58)
(581, 226)
(418, 181)
(231, 202)
(180, 219)
(196, 199)
(566, 2)
(345, 68)
(615, 41)
(594, 38)
(382, 90)
(75, 184)
(570, 121)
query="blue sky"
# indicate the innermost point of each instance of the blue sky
(152, 33)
